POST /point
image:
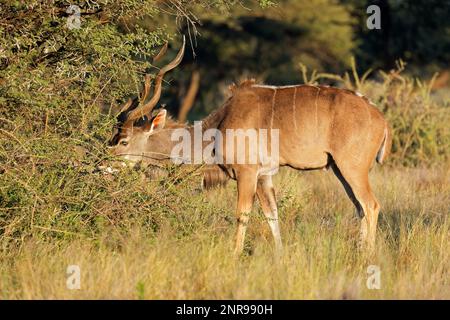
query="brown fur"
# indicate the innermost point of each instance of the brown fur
(319, 127)
(214, 177)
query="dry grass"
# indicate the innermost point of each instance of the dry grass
(319, 230)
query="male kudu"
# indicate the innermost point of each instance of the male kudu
(319, 127)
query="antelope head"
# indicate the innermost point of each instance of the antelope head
(140, 134)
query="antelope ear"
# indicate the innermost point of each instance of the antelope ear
(159, 121)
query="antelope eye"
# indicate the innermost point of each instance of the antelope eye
(124, 143)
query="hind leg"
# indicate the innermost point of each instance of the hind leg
(355, 180)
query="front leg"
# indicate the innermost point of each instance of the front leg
(267, 200)
(246, 185)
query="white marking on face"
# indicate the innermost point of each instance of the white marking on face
(359, 94)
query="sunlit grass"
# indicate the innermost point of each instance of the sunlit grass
(319, 230)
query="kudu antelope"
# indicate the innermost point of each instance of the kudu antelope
(319, 127)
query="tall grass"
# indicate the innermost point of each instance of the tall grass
(189, 254)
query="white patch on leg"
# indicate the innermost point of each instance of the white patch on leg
(275, 228)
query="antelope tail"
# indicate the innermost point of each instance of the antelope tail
(385, 148)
